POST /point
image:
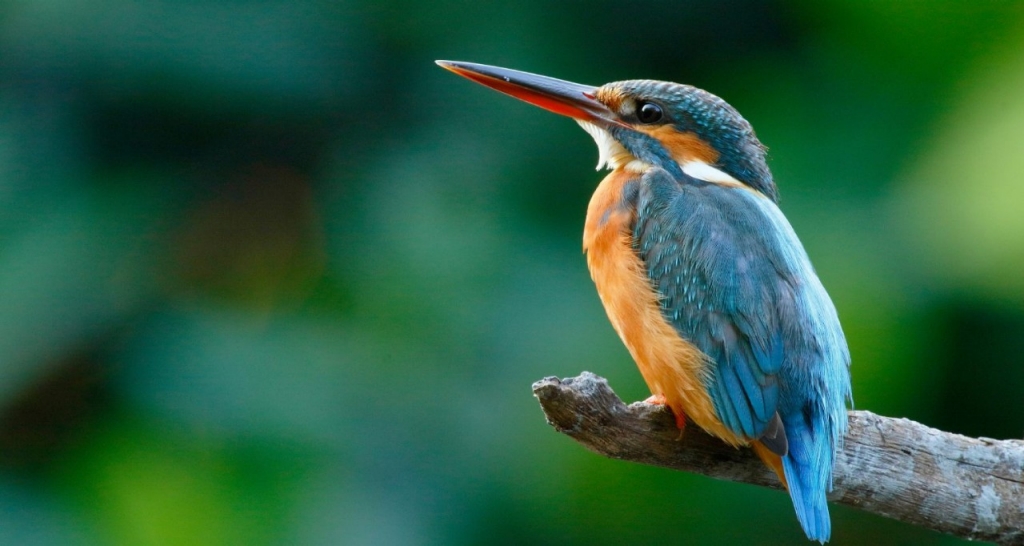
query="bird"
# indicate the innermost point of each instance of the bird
(703, 277)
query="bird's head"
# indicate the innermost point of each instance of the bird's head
(639, 124)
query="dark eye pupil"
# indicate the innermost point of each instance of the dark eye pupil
(648, 112)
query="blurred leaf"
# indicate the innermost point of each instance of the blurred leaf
(961, 204)
(151, 485)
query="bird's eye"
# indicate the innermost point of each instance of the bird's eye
(648, 112)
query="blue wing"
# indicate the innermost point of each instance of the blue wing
(731, 288)
(735, 281)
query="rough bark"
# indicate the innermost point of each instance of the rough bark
(968, 487)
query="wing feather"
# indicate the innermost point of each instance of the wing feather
(708, 255)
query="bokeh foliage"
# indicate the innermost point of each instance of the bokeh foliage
(268, 275)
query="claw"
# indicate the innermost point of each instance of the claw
(681, 423)
(656, 400)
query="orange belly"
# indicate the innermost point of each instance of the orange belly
(672, 367)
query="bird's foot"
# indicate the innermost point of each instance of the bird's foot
(680, 422)
(656, 400)
(660, 400)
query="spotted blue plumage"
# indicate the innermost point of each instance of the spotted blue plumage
(736, 282)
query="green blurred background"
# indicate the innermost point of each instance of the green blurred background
(270, 276)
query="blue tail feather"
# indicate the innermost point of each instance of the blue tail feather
(808, 468)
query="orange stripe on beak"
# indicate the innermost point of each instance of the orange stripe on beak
(561, 97)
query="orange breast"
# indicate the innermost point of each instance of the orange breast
(671, 366)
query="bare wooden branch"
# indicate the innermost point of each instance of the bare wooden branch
(968, 487)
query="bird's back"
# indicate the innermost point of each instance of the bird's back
(734, 280)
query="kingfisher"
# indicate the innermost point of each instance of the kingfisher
(702, 276)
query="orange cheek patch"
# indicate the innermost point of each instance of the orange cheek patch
(683, 147)
(611, 97)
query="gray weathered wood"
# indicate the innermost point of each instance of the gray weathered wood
(968, 487)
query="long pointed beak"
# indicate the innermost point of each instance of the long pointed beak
(561, 97)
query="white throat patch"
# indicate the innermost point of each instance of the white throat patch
(610, 153)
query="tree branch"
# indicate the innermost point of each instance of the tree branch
(968, 487)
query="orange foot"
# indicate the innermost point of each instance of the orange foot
(681, 423)
(660, 400)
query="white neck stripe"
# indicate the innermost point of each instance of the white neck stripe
(708, 173)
